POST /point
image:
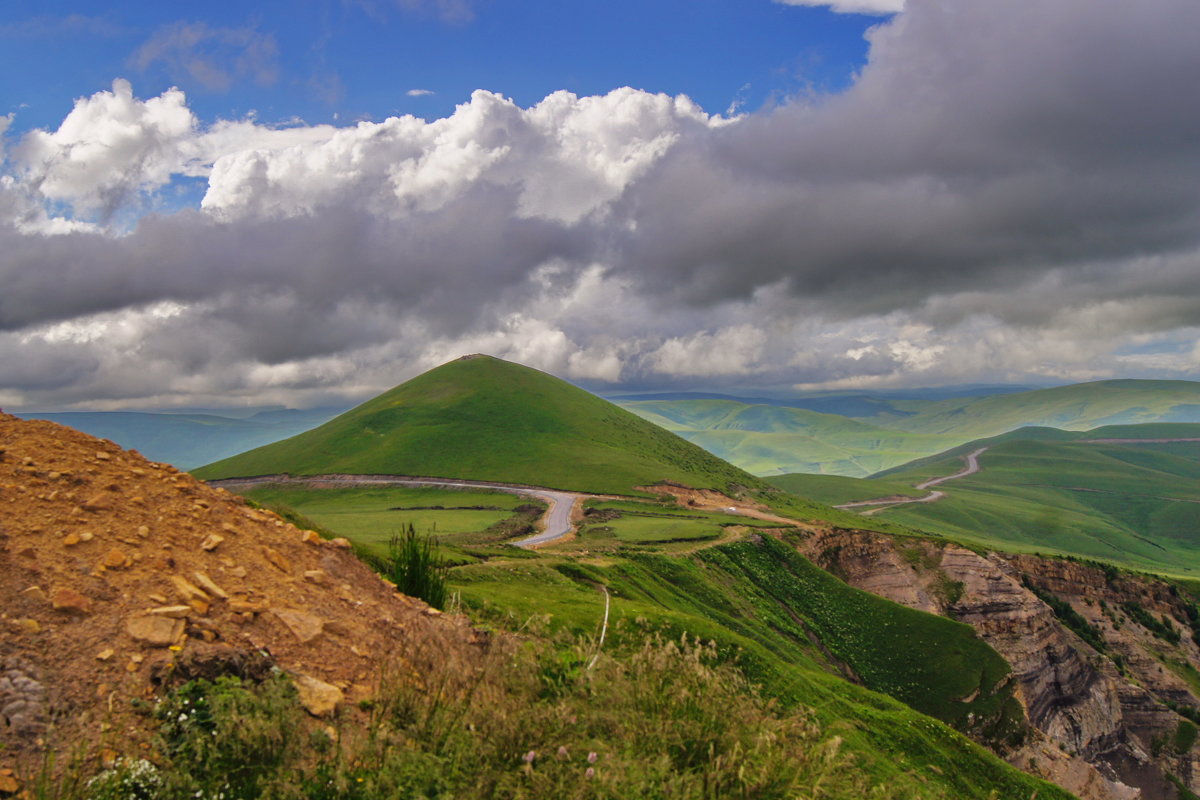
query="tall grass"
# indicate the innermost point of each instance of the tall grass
(414, 566)
(661, 720)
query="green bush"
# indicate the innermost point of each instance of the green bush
(226, 740)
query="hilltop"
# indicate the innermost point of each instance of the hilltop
(482, 418)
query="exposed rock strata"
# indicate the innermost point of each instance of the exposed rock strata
(1105, 734)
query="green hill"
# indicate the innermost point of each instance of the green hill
(771, 439)
(1134, 502)
(485, 419)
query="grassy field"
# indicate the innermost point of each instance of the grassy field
(611, 524)
(369, 516)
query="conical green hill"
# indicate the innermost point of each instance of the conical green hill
(482, 418)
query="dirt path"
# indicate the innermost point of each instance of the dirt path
(879, 503)
(556, 522)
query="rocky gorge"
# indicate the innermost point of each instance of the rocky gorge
(1105, 661)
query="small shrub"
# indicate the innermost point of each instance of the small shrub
(225, 739)
(127, 780)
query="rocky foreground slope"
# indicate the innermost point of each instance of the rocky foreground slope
(119, 576)
(1107, 661)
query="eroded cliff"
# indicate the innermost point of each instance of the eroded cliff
(1105, 661)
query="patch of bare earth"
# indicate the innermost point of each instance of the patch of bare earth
(120, 577)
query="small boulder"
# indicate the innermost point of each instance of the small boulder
(154, 631)
(318, 697)
(303, 625)
(70, 601)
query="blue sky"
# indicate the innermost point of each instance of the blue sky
(359, 61)
(307, 203)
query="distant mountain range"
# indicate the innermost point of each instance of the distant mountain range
(850, 434)
(768, 439)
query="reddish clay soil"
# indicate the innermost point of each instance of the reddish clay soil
(120, 577)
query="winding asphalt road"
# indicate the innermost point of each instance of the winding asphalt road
(972, 467)
(556, 522)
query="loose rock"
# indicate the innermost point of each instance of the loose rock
(318, 697)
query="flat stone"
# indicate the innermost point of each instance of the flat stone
(154, 631)
(35, 593)
(97, 502)
(310, 537)
(212, 541)
(248, 607)
(187, 590)
(317, 576)
(71, 539)
(70, 601)
(318, 697)
(210, 585)
(29, 625)
(115, 559)
(303, 625)
(277, 559)
(174, 612)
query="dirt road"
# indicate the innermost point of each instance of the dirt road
(879, 503)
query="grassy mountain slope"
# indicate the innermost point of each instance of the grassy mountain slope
(792, 629)
(768, 440)
(187, 440)
(1045, 490)
(486, 419)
